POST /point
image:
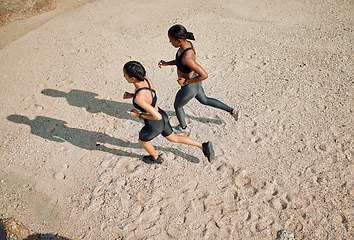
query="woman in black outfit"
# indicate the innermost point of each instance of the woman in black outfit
(155, 119)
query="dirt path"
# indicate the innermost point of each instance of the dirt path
(71, 162)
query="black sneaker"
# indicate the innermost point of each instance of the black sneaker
(150, 160)
(208, 151)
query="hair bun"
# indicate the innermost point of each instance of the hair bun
(190, 36)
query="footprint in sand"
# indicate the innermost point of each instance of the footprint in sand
(242, 179)
(29, 98)
(36, 107)
(262, 224)
(255, 135)
(65, 82)
(241, 198)
(230, 199)
(278, 204)
(59, 175)
(227, 172)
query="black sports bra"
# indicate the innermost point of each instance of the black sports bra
(180, 66)
(154, 98)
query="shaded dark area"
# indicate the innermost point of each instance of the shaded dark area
(2, 231)
(55, 130)
(38, 236)
(283, 235)
(11, 229)
(121, 110)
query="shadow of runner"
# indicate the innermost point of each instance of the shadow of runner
(55, 130)
(121, 110)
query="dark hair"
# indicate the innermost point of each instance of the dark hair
(135, 69)
(179, 32)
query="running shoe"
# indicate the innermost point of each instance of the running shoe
(236, 114)
(179, 130)
(208, 151)
(151, 160)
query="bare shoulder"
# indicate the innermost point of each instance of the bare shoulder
(142, 98)
(189, 57)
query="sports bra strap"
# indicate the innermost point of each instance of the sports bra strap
(146, 88)
(152, 96)
(185, 50)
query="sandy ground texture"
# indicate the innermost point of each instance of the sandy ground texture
(35, 13)
(14, 10)
(70, 160)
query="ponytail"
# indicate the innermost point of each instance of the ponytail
(190, 36)
(179, 32)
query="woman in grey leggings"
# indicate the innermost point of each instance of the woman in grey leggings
(190, 75)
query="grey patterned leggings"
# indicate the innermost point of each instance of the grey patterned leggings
(194, 90)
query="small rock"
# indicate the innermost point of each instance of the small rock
(14, 229)
(322, 147)
(285, 235)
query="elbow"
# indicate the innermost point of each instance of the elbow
(204, 76)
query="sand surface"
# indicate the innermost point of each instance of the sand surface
(70, 160)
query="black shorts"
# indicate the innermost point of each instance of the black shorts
(153, 128)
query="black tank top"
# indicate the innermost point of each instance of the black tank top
(154, 97)
(180, 66)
